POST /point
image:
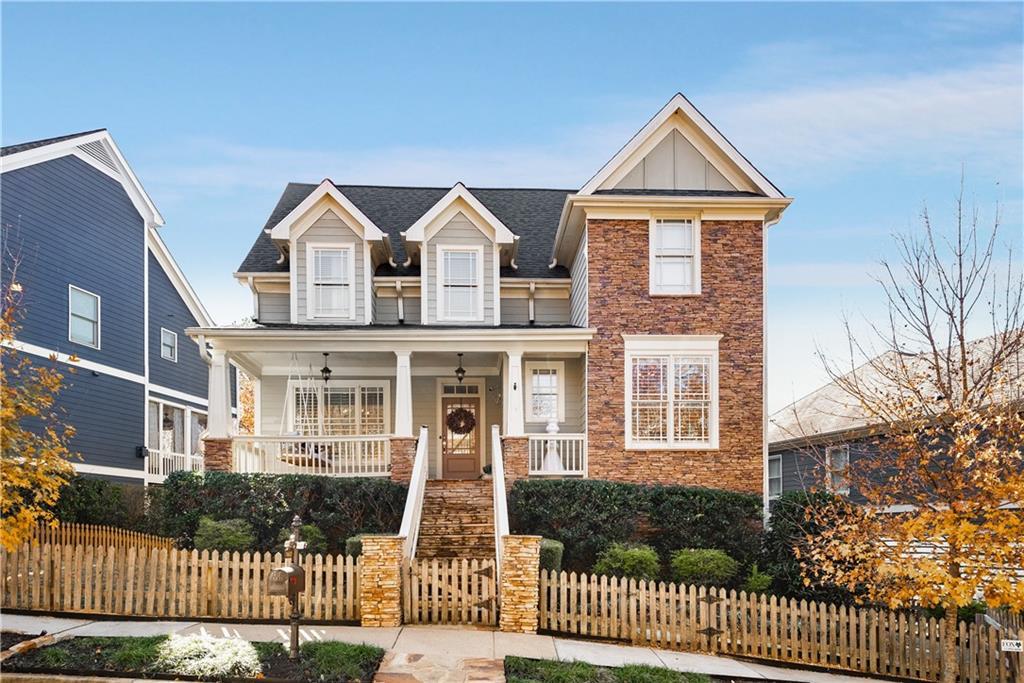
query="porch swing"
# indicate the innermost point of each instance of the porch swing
(302, 399)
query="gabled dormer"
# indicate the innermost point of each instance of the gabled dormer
(332, 248)
(460, 246)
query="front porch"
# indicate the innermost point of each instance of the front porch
(359, 419)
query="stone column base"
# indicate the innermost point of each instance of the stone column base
(515, 450)
(520, 584)
(217, 454)
(380, 581)
(403, 455)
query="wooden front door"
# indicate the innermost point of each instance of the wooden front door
(460, 453)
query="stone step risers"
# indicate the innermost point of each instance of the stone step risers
(457, 520)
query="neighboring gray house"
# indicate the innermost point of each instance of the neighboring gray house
(98, 283)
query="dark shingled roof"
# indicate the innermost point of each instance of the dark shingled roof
(531, 214)
(24, 146)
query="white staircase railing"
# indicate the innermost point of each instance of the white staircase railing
(500, 502)
(414, 500)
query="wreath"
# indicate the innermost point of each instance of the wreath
(461, 421)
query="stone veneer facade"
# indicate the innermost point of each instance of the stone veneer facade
(380, 581)
(217, 454)
(731, 304)
(403, 455)
(520, 584)
(515, 451)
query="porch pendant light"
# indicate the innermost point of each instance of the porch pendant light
(325, 371)
(460, 372)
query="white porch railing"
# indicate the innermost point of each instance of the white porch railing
(327, 456)
(161, 463)
(500, 502)
(558, 454)
(413, 512)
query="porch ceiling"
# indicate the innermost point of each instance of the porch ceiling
(380, 363)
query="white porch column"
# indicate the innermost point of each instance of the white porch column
(218, 421)
(403, 394)
(514, 394)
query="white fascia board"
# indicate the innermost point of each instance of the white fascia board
(417, 231)
(178, 279)
(140, 199)
(281, 231)
(679, 104)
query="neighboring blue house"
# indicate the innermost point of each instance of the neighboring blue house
(98, 283)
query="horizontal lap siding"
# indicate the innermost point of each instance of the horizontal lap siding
(167, 310)
(545, 311)
(575, 405)
(274, 307)
(387, 310)
(579, 290)
(460, 231)
(72, 224)
(329, 228)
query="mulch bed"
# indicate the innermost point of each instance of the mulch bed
(10, 638)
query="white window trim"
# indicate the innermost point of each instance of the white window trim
(311, 248)
(829, 485)
(653, 287)
(173, 359)
(99, 326)
(689, 345)
(776, 458)
(528, 368)
(294, 385)
(478, 249)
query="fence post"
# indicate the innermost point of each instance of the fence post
(520, 584)
(380, 581)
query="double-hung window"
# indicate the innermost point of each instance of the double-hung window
(671, 392)
(461, 283)
(331, 287)
(83, 317)
(675, 256)
(837, 462)
(545, 392)
(168, 345)
(774, 476)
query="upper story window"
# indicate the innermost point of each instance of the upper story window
(460, 283)
(168, 345)
(675, 256)
(671, 392)
(331, 274)
(83, 317)
(774, 476)
(837, 464)
(545, 392)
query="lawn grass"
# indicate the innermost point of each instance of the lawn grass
(322, 662)
(522, 670)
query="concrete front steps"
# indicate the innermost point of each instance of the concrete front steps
(457, 520)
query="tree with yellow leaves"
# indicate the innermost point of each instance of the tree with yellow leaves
(943, 480)
(33, 438)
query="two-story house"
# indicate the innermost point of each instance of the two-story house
(613, 331)
(80, 235)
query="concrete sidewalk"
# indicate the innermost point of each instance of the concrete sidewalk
(441, 647)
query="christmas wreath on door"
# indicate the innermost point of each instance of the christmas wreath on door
(460, 421)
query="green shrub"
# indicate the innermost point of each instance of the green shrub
(696, 517)
(703, 567)
(628, 561)
(339, 507)
(757, 581)
(316, 542)
(551, 554)
(204, 656)
(225, 534)
(86, 500)
(354, 545)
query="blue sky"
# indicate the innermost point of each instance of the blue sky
(861, 112)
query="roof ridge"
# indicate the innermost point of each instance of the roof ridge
(52, 140)
(438, 187)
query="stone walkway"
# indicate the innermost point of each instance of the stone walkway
(439, 654)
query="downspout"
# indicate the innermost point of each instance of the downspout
(401, 302)
(533, 291)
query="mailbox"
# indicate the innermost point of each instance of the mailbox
(288, 581)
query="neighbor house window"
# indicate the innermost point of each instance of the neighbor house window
(168, 345)
(545, 394)
(774, 476)
(671, 391)
(331, 287)
(837, 464)
(675, 256)
(461, 287)
(83, 317)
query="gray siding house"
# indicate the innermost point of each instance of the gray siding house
(80, 237)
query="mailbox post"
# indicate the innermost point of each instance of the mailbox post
(290, 581)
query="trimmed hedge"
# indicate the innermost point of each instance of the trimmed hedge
(626, 561)
(703, 567)
(224, 534)
(551, 555)
(338, 507)
(588, 515)
(89, 500)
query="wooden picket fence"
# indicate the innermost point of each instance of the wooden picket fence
(450, 591)
(98, 535)
(690, 618)
(165, 582)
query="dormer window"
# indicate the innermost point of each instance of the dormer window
(675, 256)
(460, 281)
(331, 291)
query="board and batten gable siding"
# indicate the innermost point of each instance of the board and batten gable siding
(274, 307)
(674, 164)
(329, 228)
(579, 292)
(167, 310)
(70, 224)
(545, 311)
(459, 231)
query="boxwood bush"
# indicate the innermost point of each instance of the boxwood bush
(627, 561)
(703, 567)
(588, 515)
(551, 554)
(338, 507)
(224, 534)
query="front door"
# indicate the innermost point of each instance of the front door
(460, 453)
